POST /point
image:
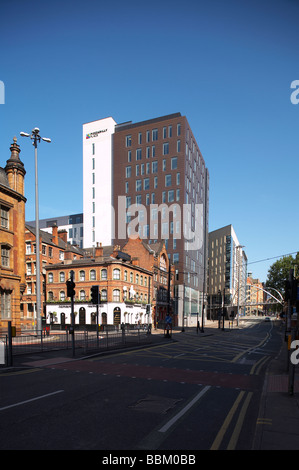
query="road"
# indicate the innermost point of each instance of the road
(196, 393)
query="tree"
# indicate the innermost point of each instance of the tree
(278, 272)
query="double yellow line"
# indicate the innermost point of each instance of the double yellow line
(237, 429)
(255, 370)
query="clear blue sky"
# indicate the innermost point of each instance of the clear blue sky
(226, 65)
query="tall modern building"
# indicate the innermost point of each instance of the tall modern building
(149, 180)
(227, 272)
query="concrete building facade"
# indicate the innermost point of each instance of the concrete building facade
(227, 272)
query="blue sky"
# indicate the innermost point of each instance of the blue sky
(227, 66)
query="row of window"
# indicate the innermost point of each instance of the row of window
(167, 196)
(146, 169)
(145, 183)
(151, 151)
(115, 296)
(31, 249)
(153, 135)
(116, 275)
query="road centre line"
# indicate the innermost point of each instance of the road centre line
(31, 399)
(184, 410)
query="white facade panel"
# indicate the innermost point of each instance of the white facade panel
(97, 182)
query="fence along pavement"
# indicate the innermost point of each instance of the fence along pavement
(37, 342)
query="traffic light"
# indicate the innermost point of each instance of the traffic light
(95, 294)
(148, 309)
(70, 288)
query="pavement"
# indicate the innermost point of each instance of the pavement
(277, 426)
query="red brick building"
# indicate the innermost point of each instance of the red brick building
(12, 228)
(128, 280)
(53, 249)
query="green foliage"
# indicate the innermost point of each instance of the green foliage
(278, 272)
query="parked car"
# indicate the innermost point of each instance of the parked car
(267, 319)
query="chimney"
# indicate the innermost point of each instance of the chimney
(99, 250)
(55, 234)
(63, 235)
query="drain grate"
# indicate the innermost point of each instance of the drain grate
(155, 404)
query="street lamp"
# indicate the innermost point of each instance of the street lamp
(35, 137)
(238, 247)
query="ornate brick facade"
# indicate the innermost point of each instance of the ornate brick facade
(12, 232)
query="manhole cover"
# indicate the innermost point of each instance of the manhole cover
(155, 404)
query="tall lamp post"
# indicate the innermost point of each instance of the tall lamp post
(35, 137)
(238, 248)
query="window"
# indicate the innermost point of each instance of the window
(28, 269)
(50, 295)
(82, 276)
(155, 182)
(126, 275)
(155, 134)
(82, 294)
(154, 167)
(166, 148)
(62, 295)
(146, 183)
(104, 274)
(139, 138)
(129, 155)
(128, 171)
(5, 256)
(138, 154)
(104, 295)
(61, 277)
(178, 146)
(171, 195)
(28, 248)
(92, 275)
(116, 295)
(164, 132)
(138, 185)
(179, 129)
(116, 274)
(128, 140)
(4, 217)
(167, 180)
(175, 258)
(174, 163)
(50, 277)
(178, 178)
(5, 304)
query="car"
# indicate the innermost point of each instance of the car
(267, 319)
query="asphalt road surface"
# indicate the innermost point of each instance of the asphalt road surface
(196, 393)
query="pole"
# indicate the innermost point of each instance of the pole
(72, 316)
(38, 290)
